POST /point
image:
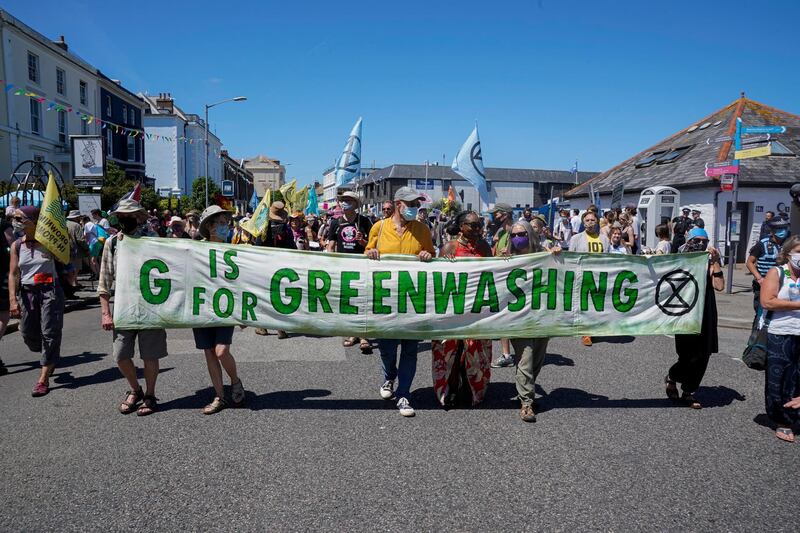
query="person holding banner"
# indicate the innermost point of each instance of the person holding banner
(694, 351)
(35, 296)
(502, 218)
(529, 353)
(781, 297)
(461, 368)
(216, 342)
(400, 234)
(277, 234)
(152, 342)
(589, 240)
(348, 235)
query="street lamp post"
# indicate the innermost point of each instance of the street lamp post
(209, 106)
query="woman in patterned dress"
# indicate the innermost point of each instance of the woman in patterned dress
(461, 368)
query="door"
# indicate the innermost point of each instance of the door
(746, 208)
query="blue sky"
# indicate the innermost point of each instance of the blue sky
(548, 81)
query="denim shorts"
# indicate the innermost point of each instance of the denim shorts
(208, 338)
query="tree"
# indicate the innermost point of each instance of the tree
(197, 200)
(116, 185)
(453, 209)
(69, 193)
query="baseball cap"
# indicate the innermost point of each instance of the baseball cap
(501, 207)
(407, 194)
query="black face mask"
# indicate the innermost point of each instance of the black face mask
(697, 246)
(128, 225)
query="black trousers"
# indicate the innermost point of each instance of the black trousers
(691, 365)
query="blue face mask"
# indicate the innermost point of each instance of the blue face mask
(347, 206)
(782, 234)
(221, 232)
(410, 213)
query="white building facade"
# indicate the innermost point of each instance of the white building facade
(175, 146)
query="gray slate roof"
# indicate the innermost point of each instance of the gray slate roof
(688, 170)
(438, 172)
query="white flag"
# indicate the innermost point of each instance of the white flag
(349, 163)
(469, 164)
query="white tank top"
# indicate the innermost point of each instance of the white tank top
(784, 322)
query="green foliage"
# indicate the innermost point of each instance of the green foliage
(116, 185)
(69, 193)
(150, 198)
(197, 200)
(277, 196)
(453, 209)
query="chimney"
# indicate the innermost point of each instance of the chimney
(117, 82)
(61, 43)
(164, 102)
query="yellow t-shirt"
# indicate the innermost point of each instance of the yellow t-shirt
(415, 238)
(595, 244)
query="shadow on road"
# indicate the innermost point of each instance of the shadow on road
(64, 362)
(65, 380)
(565, 398)
(619, 339)
(558, 360)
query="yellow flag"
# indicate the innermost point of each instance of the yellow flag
(258, 222)
(51, 230)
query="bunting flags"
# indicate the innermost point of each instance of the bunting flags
(349, 164)
(468, 163)
(51, 229)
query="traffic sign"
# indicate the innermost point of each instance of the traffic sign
(726, 182)
(763, 129)
(719, 171)
(227, 188)
(761, 151)
(756, 139)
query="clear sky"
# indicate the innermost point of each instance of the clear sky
(548, 81)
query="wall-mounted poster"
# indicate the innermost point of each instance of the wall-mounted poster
(88, 157)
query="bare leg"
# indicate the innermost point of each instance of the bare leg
(223, 352)
(128, 370)
(505, 346)
(215, 372)
(150, 376)
(45, 372)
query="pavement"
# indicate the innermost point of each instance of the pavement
(317, 449)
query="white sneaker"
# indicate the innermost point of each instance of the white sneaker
(405, 407)
(387, 390)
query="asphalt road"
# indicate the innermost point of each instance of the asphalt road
(317, 449)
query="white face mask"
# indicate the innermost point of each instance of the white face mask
(794, 259)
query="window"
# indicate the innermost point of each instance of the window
(673, 155)
(36, 117)
(109, 142)
(124, 113)
(779, 149)
(33, 67)
(84, 127)
(131, 148)
(84, 93)
(650, 159)
(61, 82)
(62, 126)
(108, 107)
(133, 118)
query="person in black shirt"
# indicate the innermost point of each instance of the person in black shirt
(277, 235)
(348, 234)
(696, 220)
(680, 225)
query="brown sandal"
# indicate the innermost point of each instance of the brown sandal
(349, 341)
(366, 347)
(132, 399)
(672, 388)
(690, 401)
(217, 405)
(148, 407)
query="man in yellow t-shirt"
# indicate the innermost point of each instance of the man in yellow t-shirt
(590, 240)
(400, 234)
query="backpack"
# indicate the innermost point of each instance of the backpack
(755, 353)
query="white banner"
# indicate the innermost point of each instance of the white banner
(178, 283)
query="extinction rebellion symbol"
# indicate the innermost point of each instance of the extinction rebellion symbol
(677, 293)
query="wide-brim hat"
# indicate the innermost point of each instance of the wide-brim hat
(176, 220)
(129, 207)
(277, 211)
(351, 195)
(697, 233)
(74, 214)
(208, 214)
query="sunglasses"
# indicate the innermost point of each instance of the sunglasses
(520, 234)
(388, 209)
(473, 225)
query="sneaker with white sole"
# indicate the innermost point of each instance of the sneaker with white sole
(503, 361)
(405, 408)
(387, 389)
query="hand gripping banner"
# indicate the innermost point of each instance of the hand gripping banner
(178, 283)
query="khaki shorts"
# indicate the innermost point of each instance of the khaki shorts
(152, 343)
